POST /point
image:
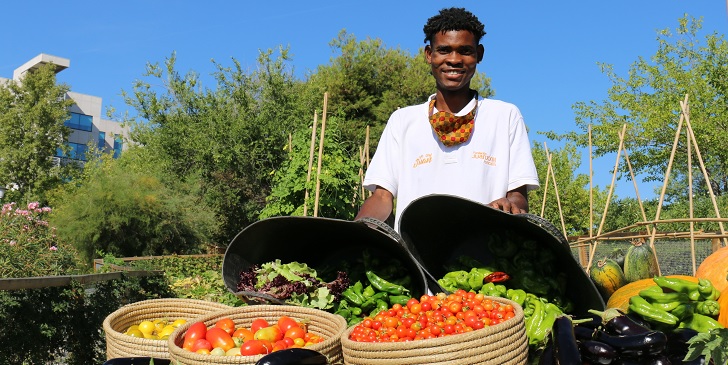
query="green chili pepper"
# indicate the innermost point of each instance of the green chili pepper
(528, 307)
(516, 295)
(352, 296)
(669, 306)
(448, 284)
(639, 305)
(344, 313)
(399, 299)
(382, 305)
(354, 320)
(683, 311)
(368, 292)
(533, 283)
(675, 284)
(534, 321)
(706, 289)
(708, 308)
(653, 296)
(700, 323)
(355, 311)
(540, 332)
(694, 295)
(475, 277)
(384, 285)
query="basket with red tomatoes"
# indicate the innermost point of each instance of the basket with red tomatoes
(462, 327)
(243, 335)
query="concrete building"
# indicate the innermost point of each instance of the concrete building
(87, 125)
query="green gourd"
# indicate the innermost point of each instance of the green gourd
(640, 262)
(607, 276)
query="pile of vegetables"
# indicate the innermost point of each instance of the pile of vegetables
(362, 287)
(294, 283)
(618, 269)
(541, 297)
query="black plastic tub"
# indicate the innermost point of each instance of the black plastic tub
(137, 361)
(317, 242)
(439, 229)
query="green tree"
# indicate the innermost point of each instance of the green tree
(573, 191)
(338, 179)
(227, 138)
(32, 113)
(648, 101)
(121, 211)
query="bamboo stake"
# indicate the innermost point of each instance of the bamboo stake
(700, 160)
(582, 252)
(664, 185)
(366, 156)
(320, 155)
(556, 191)
(636, 189)
(690, 201)
(591, 189)
(361, 173)
(609, 195)
(546, 186)
(310, 161)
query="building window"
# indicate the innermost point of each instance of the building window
(102, 141)
(80, 121)
(118, 144)
(76, 151)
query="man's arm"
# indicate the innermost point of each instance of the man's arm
(378, 206)
(515, 201)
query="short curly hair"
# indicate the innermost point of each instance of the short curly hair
(453, 19)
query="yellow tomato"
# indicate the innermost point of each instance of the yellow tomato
(135, 332)
(166, 331)
(147, 327)
(178, 323)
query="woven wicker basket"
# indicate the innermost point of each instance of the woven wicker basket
(504, 343)
(120, 345)
(325, 324)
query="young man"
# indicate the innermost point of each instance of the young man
(456, 143)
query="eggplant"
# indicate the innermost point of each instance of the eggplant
(652, 360)
(584, 333)
(294, 356)
(589, 320)
(643, 344)
(639, 320)
(597, 352)
(677, 342)
(624, 325)
(566, 349)
(547, 355)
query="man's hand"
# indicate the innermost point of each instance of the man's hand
(515, 201)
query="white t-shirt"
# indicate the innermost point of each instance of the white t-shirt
(410, 162)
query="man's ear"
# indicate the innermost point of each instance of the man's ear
(481, 50)
(428, 53)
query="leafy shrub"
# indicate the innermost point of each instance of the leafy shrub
(29, 246)
(63, 325)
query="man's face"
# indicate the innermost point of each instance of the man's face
(453, 56)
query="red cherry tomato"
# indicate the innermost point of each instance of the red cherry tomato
(285, 323)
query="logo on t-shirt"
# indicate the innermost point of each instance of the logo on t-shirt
(488, 160)
(423, 159)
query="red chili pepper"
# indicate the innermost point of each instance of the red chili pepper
(496, 277)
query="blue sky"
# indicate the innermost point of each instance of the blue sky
(540, 55)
